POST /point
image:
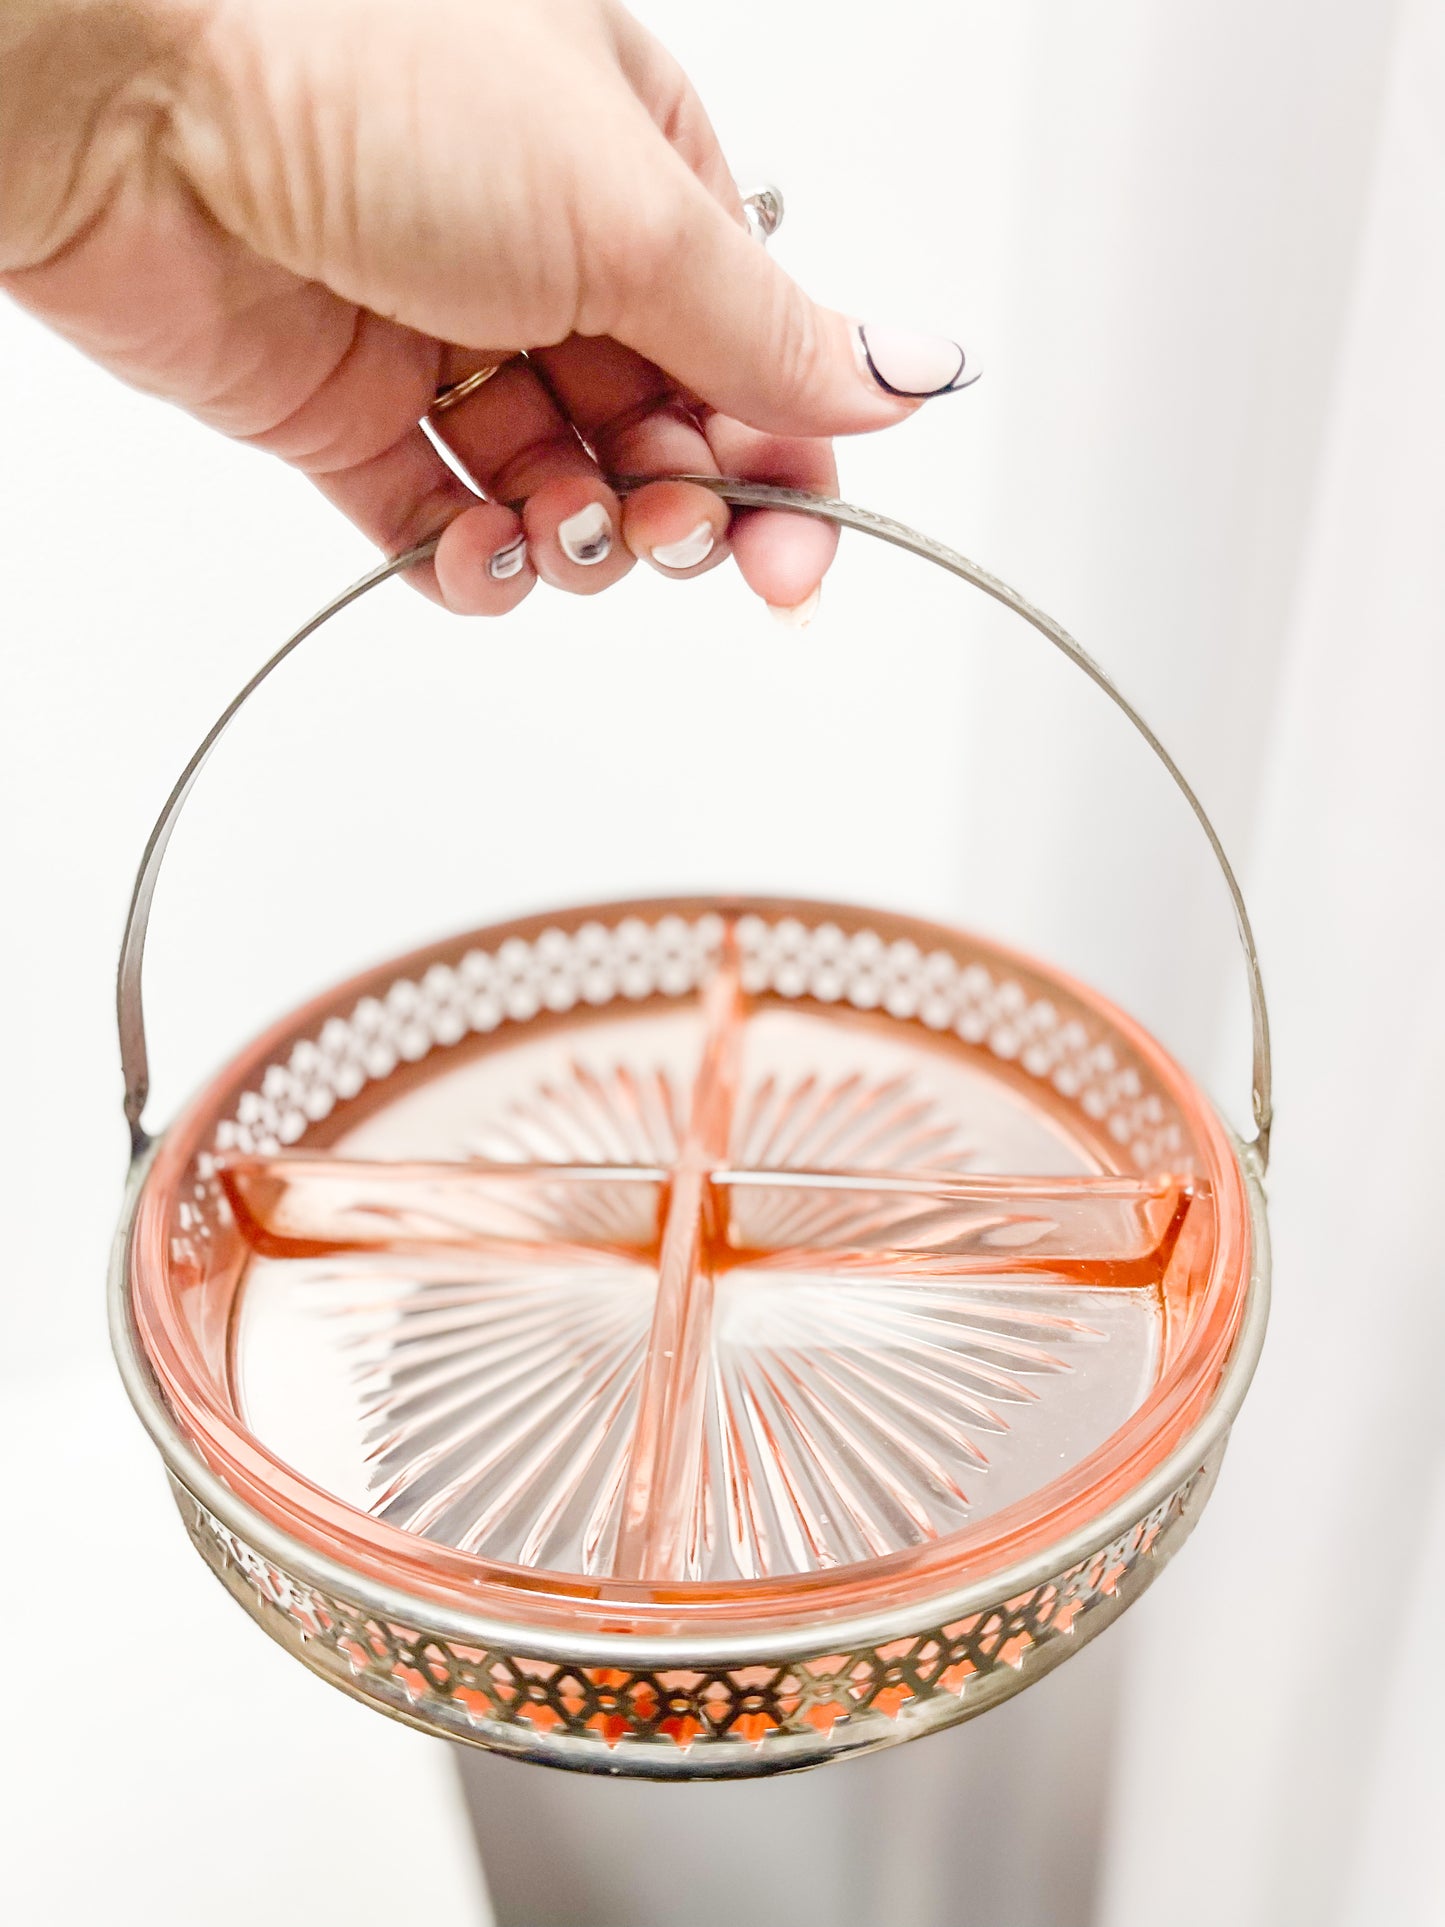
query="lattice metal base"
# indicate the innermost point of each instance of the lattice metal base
(725, 1722)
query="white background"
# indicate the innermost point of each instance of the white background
(1199, 254)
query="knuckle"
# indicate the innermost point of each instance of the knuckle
(798, 345)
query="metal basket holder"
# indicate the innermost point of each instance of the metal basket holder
(692, 1707)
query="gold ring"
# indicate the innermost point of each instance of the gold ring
(457, 391)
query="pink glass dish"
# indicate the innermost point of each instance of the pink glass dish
(928, 1059)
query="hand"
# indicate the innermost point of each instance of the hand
(300, 218)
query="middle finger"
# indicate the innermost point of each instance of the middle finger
(626, 411)
(516, 443)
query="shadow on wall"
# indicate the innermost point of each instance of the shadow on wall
(906, 1838)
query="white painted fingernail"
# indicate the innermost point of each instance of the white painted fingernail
(509, 561)
(586, 537)
(912, 365)
(687, 553)
(801, 615)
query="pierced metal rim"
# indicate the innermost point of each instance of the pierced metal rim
(782, 1751)
(773, 1645)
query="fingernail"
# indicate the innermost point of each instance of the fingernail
(586, 537)
(688, 552)
(509, 561)
(913, 365)
(800, 616)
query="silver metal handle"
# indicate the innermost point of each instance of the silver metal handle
(130, 1015)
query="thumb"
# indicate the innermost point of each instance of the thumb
(714, 312)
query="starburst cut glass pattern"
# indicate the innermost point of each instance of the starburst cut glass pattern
(718, 1286)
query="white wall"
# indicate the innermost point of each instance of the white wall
(1149, 223)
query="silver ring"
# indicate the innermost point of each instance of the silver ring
(763, 212)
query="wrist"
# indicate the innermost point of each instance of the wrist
(85, 92)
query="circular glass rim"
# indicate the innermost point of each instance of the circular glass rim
(391, 1557)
